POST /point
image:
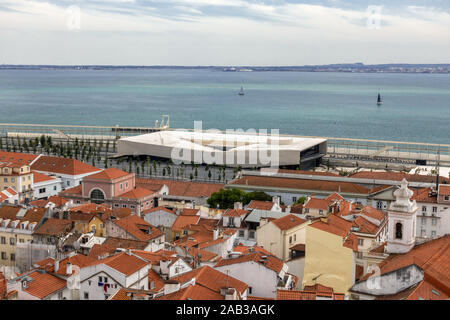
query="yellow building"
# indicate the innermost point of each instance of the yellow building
(279, 235)
(330, 254)
(19, 177)
(97, 225)
(17, 226)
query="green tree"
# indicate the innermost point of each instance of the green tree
(300, 200)
(225, 198)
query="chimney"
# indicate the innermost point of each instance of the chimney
(276, 200)
(56, 265)
(238, 205)
(69, 268)
(350, 206)
(215, 234)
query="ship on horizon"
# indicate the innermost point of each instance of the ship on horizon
(379, 101)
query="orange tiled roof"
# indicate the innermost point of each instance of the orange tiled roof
(423, 195)
(158, 283)
(183, 221)
(43, 284)
(235, 213)
(444, 190)
(192, 292)
(135, 226)
(54, 227)
(121, 294)
(316, 203)
(396, 176)
(260, 205)
(334, 197)
(432, 256)
(75, 190)
(245, 250)
(189, 212)
(288, 222)
(9, 212)
(304, 172)
(301, 184)
(62, 165)
(212, 279)
(136, 193)
(91, 208)
(39, 177)
(109, 174)
(365, 226)
(295, 295)
(20, 158)
(182, 188)
(372, 213)
(123, 263)
(270, 262)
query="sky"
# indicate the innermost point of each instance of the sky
(224, 32)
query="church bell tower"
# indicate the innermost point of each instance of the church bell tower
(402, 221)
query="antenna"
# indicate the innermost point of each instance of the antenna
(437, 167)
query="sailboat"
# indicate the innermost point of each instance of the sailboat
(379, 102)
(241, 93)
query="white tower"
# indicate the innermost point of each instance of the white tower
(402, 221)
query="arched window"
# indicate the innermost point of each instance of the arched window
(398, 230)
(97, 196)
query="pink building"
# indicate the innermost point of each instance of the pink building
(115, 188)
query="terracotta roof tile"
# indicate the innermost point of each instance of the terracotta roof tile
(396, 176)
(444, 190)
(212, 279)
(123, 263)
(138, 228)
(22, 158)
(192, 292)
(62, 165)
(39, 177)
(288, 222)
(54, 227)
(75, 190)
(235, 213)
(301, 184)
(183, 221)
(189, 212)
(260, 205)
(182, 188)
(270, 261)
(43, 284)
(157, 209)
(136, 193)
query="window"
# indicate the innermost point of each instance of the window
(422, 233)
(42, 190)
(433, 233)
(97, 196)
(126, 184)
(424, 209)
(121, 186)
(60, 295)
(290, 239)
(68, 183)
(434, 209)
(13, 257)
(359, 255)
(306, 210)
(3, 255)
(424, 221)
(433, 221)
(379, 205)
(446, 198)
(398, 230)
(116, 205)
(54, 188)
(5, 180)
(100, 279)
(13, 180)
(250, 289)
(12, 241)
(105, 279)
(241, 233)
(360, 242)
(86, 296)
(124, 206)
(21, 241)
(132, 207)
(3, 240)
(251, 234)
(321, 212)
(295, 237)
(294, 199)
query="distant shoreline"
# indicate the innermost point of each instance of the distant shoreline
(346, 68)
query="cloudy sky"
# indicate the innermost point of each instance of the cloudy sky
(224, 32)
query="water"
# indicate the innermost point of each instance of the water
(416, 106)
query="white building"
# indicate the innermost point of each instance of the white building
(45, 186)
(260, 272)
(230, 149)
(102, 279)
(433, 215)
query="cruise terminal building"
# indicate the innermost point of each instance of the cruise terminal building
(246, 150)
